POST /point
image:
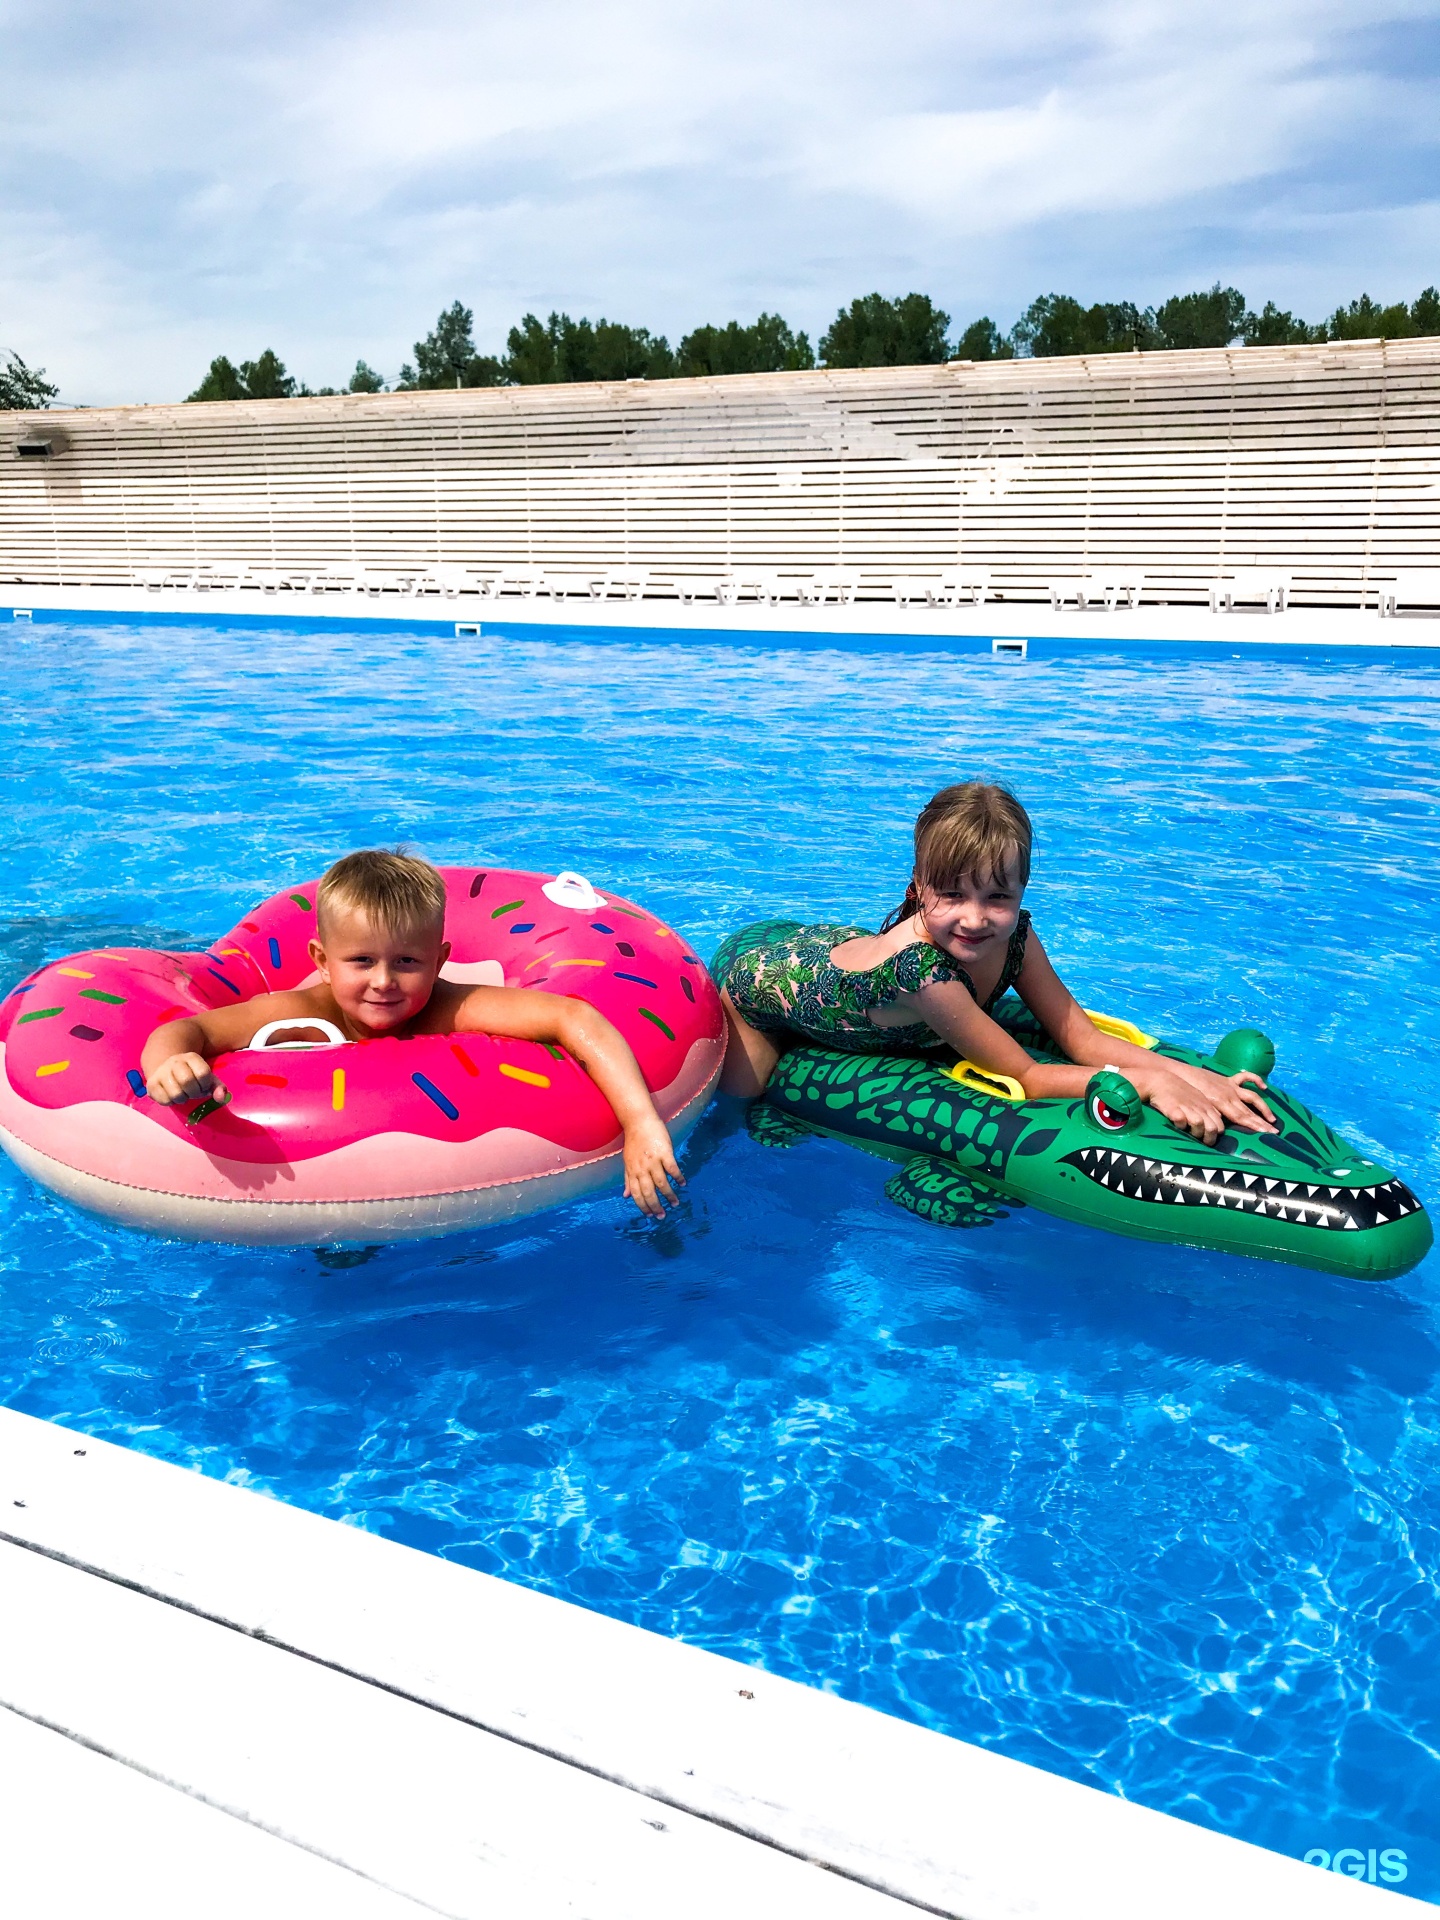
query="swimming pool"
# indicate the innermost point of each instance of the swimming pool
(1158, 1520)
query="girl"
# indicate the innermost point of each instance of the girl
(934, 972)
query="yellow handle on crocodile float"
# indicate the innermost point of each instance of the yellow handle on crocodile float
(1000, 1086)
(1121, 1029)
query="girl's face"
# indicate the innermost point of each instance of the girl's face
(973, 918)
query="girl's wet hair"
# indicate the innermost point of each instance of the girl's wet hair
(394, 891)
(969, 831)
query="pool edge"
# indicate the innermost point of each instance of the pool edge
(1150, 628)
(922, 1820)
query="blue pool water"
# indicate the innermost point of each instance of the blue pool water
(1158, 1520)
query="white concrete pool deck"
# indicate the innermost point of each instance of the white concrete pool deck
(215, 1704)
(1148, 625)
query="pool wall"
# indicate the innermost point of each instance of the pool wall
(1318, 462)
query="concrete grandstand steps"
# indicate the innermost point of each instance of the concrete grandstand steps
(1318, 462)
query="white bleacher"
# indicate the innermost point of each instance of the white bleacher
(1315, 465)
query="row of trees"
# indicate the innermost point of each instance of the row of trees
(1218, 318)
(873, 331)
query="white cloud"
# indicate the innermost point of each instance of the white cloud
(177, 182)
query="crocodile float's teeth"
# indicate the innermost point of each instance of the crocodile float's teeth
(1296, 1202)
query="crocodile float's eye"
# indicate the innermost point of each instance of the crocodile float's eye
(1111, 1102)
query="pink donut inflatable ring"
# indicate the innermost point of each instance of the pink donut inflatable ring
(377, 1140)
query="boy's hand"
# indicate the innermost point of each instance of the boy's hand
(1205, 1104)
(649, 1157)
(185, 1076)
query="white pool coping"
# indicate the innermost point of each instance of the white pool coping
(215, 1703)
(1148, 626)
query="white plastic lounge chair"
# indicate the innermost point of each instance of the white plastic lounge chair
(525, 581)
(1409, 590)
(950, 588)
(907, 589)
(625, 583)
(838, 585)
(1110, 588)
(587, 584)
(750, 583)
(791, 586)
(386, 580)
(1250, 583)
(691, 587)
(449, 581)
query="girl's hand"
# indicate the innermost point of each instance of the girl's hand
(1244, 1084)
(185, 1076)
(649, 1157)
(1205, 1109)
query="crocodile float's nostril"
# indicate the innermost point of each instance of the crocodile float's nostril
(1246, 1050)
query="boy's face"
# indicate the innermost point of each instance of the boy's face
(380, 977)
(975, 916)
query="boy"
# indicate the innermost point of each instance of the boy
(379, 947)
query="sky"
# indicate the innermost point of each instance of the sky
(179, 181)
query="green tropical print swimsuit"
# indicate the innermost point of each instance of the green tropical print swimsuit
(782, 980)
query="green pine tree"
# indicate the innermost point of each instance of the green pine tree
(876, 332)
(446, 357)
(1276, 327)
(766, 346)
(22, 388)
(563, 349)
(1056, 323)
(983, 340)
(1365, 319)
(1213, 319)
(222, 382)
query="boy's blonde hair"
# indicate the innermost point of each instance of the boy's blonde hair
(969, 831)
(395, 891)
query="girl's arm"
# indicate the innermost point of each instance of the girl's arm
(1200, 1103)
(1189, 1096)
(529, 1013)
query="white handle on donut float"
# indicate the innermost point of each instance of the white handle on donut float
(260, 1042)
(572, 890)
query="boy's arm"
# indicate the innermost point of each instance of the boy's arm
(529, 1013)
(175, 1060)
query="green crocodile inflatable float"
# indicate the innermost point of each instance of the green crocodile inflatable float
(972, 1146)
